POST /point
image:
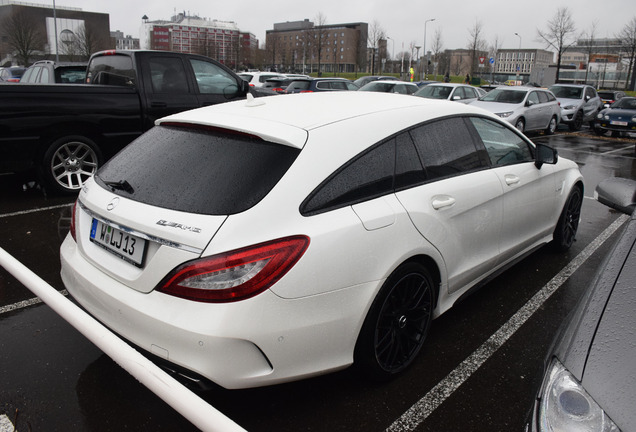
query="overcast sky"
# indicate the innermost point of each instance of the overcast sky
(402, 21)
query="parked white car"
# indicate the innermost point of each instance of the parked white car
(262, 241)
(579, 104)
(527, 108)
(451, 91)
(256, 79)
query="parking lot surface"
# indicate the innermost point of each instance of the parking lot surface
(477, 372)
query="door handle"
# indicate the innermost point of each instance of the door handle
(511, 179)
(441, 201)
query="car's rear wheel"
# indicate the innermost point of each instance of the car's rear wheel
(69, 162)
(520, 125)
(577, 123)
(551, 126)
(397, 323)
(565, 231)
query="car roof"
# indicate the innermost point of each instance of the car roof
(287, 119)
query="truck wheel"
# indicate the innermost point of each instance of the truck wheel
(69, 162)
(398, 322)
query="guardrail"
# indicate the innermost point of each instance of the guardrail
(192, 407)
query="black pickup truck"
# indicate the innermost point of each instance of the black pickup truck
(64, 132)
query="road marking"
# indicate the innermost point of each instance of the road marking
(5, 424)
(445, 388)
(23, 212)
(23, 304)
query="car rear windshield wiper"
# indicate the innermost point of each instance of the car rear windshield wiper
(121, 185)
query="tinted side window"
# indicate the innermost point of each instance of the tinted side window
(446, 148)
(543, 97)
(408, 168)
(111, 69)
(168, 75)
(503, 145)
(367, 176)
(533, 97)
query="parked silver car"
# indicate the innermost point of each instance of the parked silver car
(527, 108)
(455, 92)
(579, 103)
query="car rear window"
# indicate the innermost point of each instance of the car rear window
(298, 85)
(197, 170)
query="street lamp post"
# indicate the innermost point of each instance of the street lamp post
(424, 46)
(519, 56)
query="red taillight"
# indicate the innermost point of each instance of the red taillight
(13, 80)
(306, 91)
(235, 275)
(73, 224)
(278, 89)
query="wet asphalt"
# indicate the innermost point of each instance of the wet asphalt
(53, 379)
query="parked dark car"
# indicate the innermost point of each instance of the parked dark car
(309, 85)
(64, 132)
(619, 118)
(49, 72)
(608, 97)
(11, 74)
(590, 377)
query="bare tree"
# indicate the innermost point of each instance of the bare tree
(319, 36)
(589, 36)
(23, 36)
(437, 48)
(627, 37)
(476, 44)
(559, 34)
(376, 33)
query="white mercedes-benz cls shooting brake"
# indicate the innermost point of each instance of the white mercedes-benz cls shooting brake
(262, 241)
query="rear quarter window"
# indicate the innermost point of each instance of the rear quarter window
(114, 69)
(198, 170)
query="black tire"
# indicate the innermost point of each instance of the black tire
(68, 163)
(397, 323)
(521, 125)
(577, 122)
(552, 126)
(568, 224)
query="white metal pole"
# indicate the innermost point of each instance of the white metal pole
(196, 410)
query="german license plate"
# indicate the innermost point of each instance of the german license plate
(123, 244)
(618, 123)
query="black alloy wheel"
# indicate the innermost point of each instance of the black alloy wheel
(398, 322)
(565, 232)
(577, 123)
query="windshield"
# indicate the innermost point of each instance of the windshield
(434, 92)
(197, 170)
(503, 95)
(567, 92)
(377, 86)
(625, 103)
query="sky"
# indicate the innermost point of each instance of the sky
(403, 22)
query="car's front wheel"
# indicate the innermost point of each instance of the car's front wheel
(577, 123)
(69, 162)
(568, 224)
(397, 323)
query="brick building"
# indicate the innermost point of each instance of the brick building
(301, 46)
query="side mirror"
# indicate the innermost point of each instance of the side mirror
(529, 103)
(545, 155)
(617, 193)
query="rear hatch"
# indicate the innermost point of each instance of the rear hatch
(161, 200)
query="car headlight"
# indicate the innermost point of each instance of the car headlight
(569, 107)
(566, 406)
(505, 114)
(634, 118)
(599, 116)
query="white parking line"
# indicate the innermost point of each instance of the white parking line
(5, 424)
(438, 394)
(23, 212)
